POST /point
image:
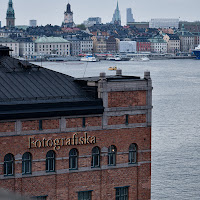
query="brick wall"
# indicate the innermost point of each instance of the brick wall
(132, 119)
(78, 122)
(68, 183)
(127, 99)
(7, 126)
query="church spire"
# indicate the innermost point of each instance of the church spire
(116, 16)
(10, 15)
(117, 5)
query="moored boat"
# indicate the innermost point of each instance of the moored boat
(196, 52)
(89, 58)
(114, 58)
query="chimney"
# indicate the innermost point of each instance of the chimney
(118, 72)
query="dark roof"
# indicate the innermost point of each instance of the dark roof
(24, 39)
(28, 90)
(7, 40)
(109, 78)
(173, 37)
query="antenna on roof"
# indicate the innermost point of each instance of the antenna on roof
(85, 70)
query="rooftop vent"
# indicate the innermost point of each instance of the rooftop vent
(24, 64)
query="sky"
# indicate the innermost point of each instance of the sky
(52, 11)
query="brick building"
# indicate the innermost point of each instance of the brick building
(143, 45)
(65, 138)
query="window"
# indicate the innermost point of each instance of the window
(83, 122)
(112, 155)
(85, 195)
(40, 125)
(126, 121)
(9, 165)
(26, 163)
(122, 193)
(39, 197)
(132, 154)
(50, 161)
(95, 157)
(73, 159)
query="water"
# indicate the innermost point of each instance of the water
(175, 125)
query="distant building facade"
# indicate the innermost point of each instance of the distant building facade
(193, 27)
(143, 45)
(164, 23)
(7, 33)
(52, 45)
(129, 16)
(33, 23)
(92, 21)
(26, 47)
(10, 15)
(12, 44)
(127, 47)
(173, 43)
(111, 45)
(187, 40)
(158, 45)
(196, 39)
(68, 17)
(99, 44)
(116, 16)
(139, 25)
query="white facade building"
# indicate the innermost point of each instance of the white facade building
(164, 23)
(52, 45)
(26, 48)
(86, 46)
(127, 47)
(33, 23)
(91, 21)
(12, 44)
(158, 45)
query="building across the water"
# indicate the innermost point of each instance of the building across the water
(10, 15)
(92, 21)
(74, 138)
(164, 23)
(116, 16)
(52, 45)
(129, 16)
(68, 18)
(33, 23)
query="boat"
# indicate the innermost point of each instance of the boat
(196, 52)
(144, 59)
(112, 68)
(89, 58)
(114, 58)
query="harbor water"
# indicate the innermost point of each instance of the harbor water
(175, 120)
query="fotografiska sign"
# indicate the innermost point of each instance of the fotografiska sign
(59, 142)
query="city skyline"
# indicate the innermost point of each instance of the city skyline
(143, 10)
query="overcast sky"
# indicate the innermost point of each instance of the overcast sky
(51, 11)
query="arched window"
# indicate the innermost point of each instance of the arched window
(95, 157)
(9, 165)
(132, 154)
(26, 163)
(73, 159)
(112, 150)
(50, 161)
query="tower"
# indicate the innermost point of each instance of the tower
(68, 17)
(129, 16)
(10, 15)
(116, 16)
